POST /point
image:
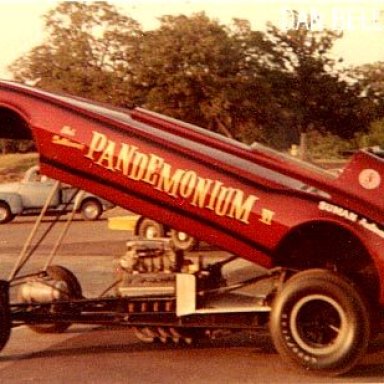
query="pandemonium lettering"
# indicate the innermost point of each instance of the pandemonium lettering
(182, 183)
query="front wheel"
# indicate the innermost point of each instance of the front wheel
(5, 213)
(183, 241)
(91, 210)
(320, 322)
(150, 229)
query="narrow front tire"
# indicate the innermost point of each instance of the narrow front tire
(183, 241)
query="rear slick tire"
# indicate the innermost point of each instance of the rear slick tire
(5, 315)
(320, 322)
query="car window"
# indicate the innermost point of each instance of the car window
(37, 177)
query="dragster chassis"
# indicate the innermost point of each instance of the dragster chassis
(318, 235)
(188, 306)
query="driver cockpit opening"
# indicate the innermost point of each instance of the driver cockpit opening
(14, 127)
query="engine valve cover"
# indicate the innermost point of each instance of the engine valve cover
(145, 256)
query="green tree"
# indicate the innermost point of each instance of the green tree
(312, 92)
(373, 137)
(86, 53)
(184, 69)
(371, 80)
(243, 83)
(195, 69)
(325, 145)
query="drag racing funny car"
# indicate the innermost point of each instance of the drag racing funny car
(318, 236)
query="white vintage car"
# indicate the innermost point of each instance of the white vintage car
(28, 196)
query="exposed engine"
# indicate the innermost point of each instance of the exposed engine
(146, 275)
(146, 256)
(149, 269)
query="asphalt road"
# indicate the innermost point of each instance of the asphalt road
(88, 354)
(83, 237)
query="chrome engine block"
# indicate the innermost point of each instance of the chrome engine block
(148, 268)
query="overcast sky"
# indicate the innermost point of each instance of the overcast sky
(21, 24)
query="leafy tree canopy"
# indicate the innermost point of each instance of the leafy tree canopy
(270, 86)
(85, 53)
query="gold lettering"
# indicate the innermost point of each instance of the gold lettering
(241, 209)
(169, 184)
(154, 165)
(266, 216)
(125, 157)
(98, 142)
(139, 166)
(201, 191)
(215, 191)
(187, 184)
(107, 156)
(223, 201)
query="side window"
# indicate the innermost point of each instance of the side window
(35, 177)
(43, 179)
(39, 178)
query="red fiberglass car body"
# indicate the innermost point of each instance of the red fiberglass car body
(254, 202)
(247, 200)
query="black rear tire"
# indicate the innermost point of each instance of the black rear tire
(320, 322)
(5, 316)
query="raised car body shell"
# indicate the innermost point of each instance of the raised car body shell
(244, 199)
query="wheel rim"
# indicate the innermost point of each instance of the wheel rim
(151, 232)
(91, 211)
(318, 324)
(182, 240)
(3, 214)
(182, 236)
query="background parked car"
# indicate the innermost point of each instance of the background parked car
(28, 196)
(147, 228)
